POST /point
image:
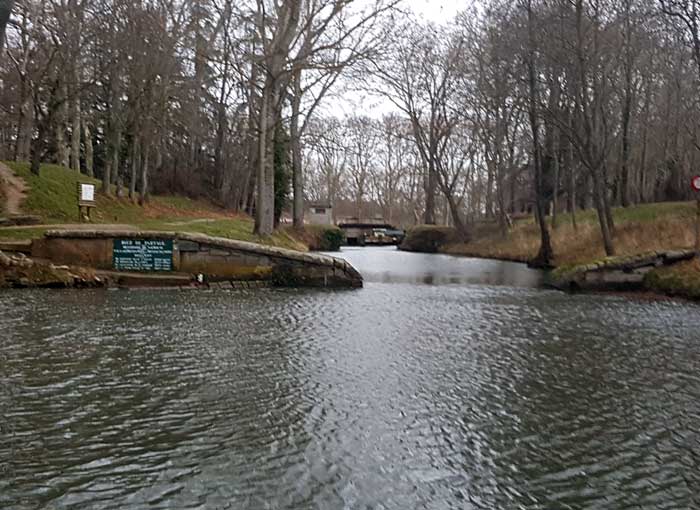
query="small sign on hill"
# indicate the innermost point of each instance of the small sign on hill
(86, 199)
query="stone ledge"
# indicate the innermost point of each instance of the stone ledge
(20, 220)
(616, 273)
(16, 246)
(201, 239)
(223, 259)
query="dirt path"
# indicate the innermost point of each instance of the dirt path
(13, 188)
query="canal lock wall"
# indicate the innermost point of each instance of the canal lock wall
(169, 258)
(626, 273)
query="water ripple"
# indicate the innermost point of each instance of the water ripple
(396, 396)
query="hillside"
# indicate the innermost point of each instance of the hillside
(52, 197)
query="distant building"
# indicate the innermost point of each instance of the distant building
(320, 214)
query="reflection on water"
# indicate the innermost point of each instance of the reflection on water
(395, 396)
(388, 265)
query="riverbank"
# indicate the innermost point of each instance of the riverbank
(641, 231)
(157, 258)
(19, 271)
(51, 199)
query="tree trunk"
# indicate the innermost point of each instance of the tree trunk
(75, 136)
(489, 192)
(242, 200)
(62, 153)
(264, 204)
(62, 149)
(25, 125)
(430, 189)
(555, 184)
(545, 255)
(143, 197)
(645, 142)
(38, 147)
(624, 170)
(5, 12)
(457, 220)
(503, 219)
(89, 150)
(116, 170)
(295, 141)
(223, 181)
(606, 202)
(599, 199)
(626, 109)
(43, 123)
(107, 178)
(135, 158)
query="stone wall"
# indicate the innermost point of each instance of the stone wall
(19, 271)
(217, 259)
(626, 273)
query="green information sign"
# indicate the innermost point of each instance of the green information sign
(143, 255)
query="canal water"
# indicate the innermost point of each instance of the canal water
(444, 383)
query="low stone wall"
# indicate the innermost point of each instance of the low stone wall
(217, 259)
(615, 273)
(20, 220)
(19, 271)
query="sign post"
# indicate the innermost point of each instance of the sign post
(86, 199)
(695, 183)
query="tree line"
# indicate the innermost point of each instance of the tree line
(511, 107)
(186, 96)
(546, 107)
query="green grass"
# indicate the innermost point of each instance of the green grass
(643, 213)
(682, 280)
(19, 234)
(53, 196)
(639, 229)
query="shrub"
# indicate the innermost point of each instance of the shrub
(332, 238)
(321, 237)
(429, 238)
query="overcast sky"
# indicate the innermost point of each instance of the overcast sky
(352, 101)
(437, 10)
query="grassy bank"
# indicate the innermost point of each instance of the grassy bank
(53, 197)
(640, 229)
(681, 280)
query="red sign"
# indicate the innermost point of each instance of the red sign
(695, 183)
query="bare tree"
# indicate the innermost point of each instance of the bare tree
(6, 7)
(546, 254)
(419, 77)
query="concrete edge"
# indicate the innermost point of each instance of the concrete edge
(245, 246)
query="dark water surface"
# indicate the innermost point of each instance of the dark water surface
(401, 395)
